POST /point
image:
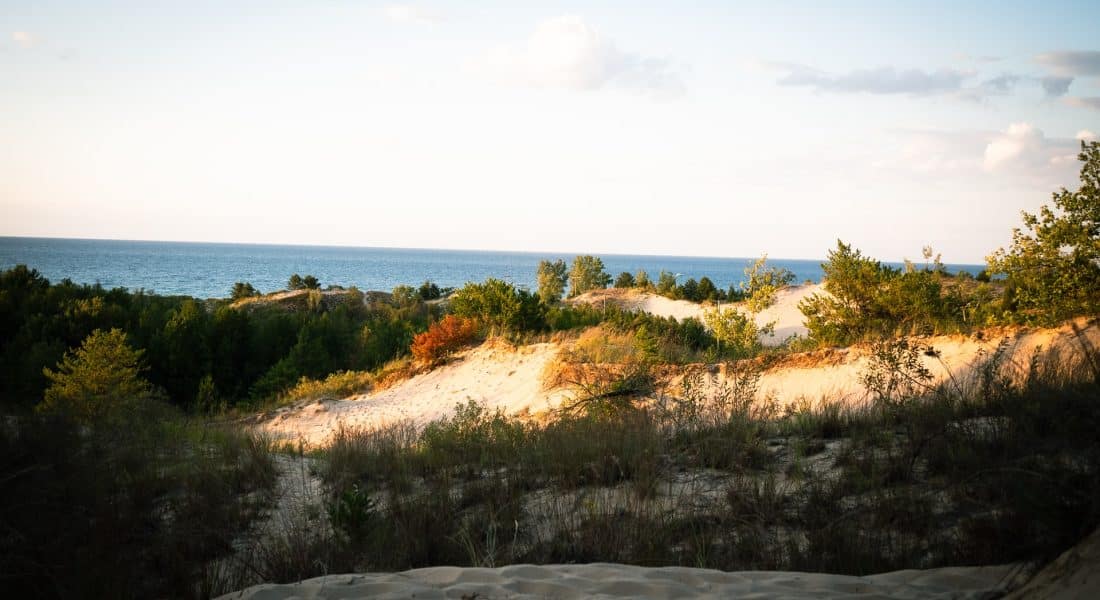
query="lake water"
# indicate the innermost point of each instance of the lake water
(206, 270)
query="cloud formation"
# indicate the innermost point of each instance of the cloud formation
(1071, 63)
(566, 53)
(1020, 143)
(879, 80)
(1085, 136)
(411, 13)
(1090, 102)
(1055, 86)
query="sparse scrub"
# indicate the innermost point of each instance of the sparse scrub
(443, 338)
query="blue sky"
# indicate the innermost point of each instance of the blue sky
(719, 128)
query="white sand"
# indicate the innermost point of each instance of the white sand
(494, 376)
(601, 580)
(499, 377)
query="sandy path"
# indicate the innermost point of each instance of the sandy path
(601, 580)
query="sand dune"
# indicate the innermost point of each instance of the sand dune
(623, 581)
(498, 376)
(493, 375)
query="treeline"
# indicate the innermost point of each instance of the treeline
(203, 355)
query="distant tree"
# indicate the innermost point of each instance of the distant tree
(625, 280)
(243, 289)
(690, 290)
(587, 274)
(105, 373)
(405, 295)
(551, 280)
(1053, 268)
(429, 291)
(499, 304)
(666, 284)
(707, 290)
(295, 282)
(762, 282)
(641, 280)
(310, 282)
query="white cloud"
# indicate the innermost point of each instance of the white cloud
(567, 53)
(1020, 143)
(1085, 136)
(24, 39)
(411, 13)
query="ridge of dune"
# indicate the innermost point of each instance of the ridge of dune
(607, 581)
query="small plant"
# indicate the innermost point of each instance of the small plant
(443, 338)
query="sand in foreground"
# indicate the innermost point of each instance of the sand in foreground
(624, 581)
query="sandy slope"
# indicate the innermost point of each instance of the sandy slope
(495, 376)
(600, 580)
(784, 313)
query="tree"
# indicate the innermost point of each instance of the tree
(103, 374)
(625, 280)
(1053, 267)
(243, 289)
(690, 290)
(587, 274)
(295, 282)
(707, 290)
(405, 296)
(429, 291)
(641, 280)
(666, 284)
(854, 306)
(762, 282)
(499, 304)
(551, 280)
(310, 282)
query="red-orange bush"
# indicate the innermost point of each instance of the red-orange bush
(443, 337)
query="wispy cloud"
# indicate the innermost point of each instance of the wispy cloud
(412, 13)
(567, 53)
(878, 80)
(1089, 102)
(1071, 63)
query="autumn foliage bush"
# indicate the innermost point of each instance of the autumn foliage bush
(443, 337)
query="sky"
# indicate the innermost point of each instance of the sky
(702, 129)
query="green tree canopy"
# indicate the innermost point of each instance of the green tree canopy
(103, 374)
(551, 280)
(1053, 265)
(587, 274)
(762, 282)
(624, 280)
(243, 289)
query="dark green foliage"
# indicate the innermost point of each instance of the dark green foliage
(132, 507)
(624, 280)
(872, 300)
(295, 282)
(499, 305)
(429, 291)
(252, 353)
(243, 289)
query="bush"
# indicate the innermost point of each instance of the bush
(587, 274)
(499, 305)
(97, 379)
(443, 338)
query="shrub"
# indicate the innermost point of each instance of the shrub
(499, 304)
(551, 280)
(243, 289)
(625, 280)
(443, 337)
